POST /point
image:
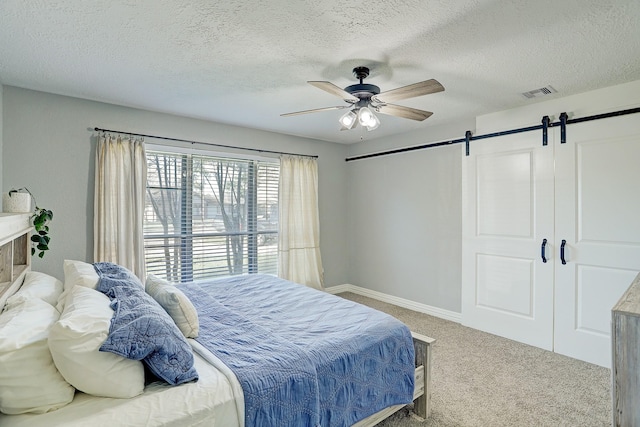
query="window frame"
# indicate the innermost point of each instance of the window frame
(250, 253)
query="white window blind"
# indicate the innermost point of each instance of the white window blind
(209, 217)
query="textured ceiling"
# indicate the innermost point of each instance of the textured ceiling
(244, 62)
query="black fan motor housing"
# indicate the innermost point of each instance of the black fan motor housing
(362, 90)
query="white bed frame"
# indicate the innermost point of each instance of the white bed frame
(15, 261)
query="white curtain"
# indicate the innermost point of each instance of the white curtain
(299, 235)
(120, 185)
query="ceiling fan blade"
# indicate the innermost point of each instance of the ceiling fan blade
(411, 91)
(315, 110)
(404, 112)
(334, 90)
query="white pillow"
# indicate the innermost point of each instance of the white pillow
(75, 341)
(175, 303)
(29, 381)
(37, 285)
(77, 273)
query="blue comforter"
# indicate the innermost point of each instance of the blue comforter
(304, 357)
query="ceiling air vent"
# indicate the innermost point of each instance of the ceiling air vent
(537, 93)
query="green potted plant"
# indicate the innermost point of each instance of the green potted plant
(40, 219)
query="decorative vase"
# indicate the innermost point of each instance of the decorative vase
(16, 203)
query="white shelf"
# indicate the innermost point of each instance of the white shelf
(15, 255)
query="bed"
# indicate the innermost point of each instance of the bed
(322, 380)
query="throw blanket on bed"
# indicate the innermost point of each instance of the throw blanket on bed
(278, 380)
(361, 360)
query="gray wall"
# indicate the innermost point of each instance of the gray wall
(390, 224)
(405, 217)
(49, 148)
(1, 115)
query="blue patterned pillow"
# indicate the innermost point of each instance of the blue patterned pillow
(114, 274)
(142, 330)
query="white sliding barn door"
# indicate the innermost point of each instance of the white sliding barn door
(507, 213)
(598, 215)
(583, 195)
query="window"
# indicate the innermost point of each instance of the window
(209, 217)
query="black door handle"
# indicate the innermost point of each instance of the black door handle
(542, 250)
(564, 242)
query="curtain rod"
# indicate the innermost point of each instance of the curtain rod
(470, 137)
(166, 138)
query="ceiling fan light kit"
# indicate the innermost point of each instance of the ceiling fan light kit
(364, 99)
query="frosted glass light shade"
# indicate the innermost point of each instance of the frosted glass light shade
(375, 124)
(368, 119)
(365, 116)
(348, 120)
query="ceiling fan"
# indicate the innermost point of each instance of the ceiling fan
(364, 99)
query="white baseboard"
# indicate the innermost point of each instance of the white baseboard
(340, 288)
(400, 302)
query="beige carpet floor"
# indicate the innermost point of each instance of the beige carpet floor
(481, 379)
